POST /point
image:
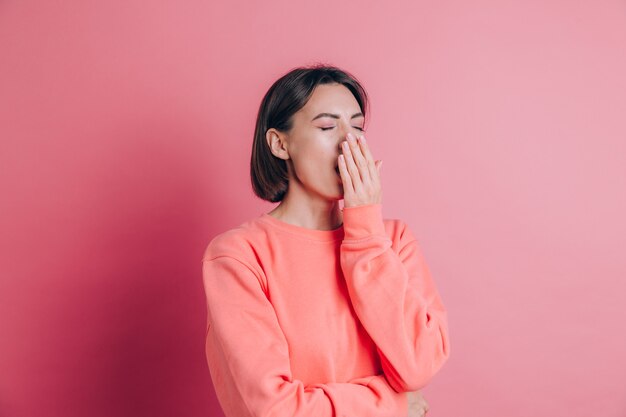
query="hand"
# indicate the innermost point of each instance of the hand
(359, 173)
(418, 406)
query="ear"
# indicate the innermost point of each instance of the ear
(277, 143)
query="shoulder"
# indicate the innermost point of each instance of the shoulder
(400, 233)
(398, 229)
(235, 246)
(237, 242)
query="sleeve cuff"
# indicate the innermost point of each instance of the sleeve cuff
(363, 221)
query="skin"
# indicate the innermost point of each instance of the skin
(417, 404)
(315, 188)
(312, 155)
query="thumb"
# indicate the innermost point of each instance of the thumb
(379, 164)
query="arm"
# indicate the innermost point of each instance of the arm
(395, 298)
(248, 357)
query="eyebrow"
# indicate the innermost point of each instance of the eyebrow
(336, 116)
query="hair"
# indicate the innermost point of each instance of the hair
(288, 94)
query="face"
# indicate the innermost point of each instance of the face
(313, 145)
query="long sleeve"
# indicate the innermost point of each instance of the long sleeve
(395, 298)
(248, 356)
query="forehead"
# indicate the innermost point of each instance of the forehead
(333, 98)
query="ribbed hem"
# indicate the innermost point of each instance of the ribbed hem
(363, 221)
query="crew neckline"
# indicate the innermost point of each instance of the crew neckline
(312, 234)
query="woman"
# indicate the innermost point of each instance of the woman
(314, 310)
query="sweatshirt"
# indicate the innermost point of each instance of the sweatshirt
(321, 323)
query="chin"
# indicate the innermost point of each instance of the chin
(334, 195)
(339, 194)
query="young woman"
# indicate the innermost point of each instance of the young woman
(313, 309)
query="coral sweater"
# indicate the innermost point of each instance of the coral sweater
(304, 322)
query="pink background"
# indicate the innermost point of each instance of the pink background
(125, 132)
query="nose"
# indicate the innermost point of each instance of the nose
(343, 129)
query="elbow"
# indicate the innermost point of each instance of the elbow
(438, 357)
(417, 374)
(413, 381)
(419, 378)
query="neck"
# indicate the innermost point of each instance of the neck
(311, 211)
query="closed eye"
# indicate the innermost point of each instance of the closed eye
(332, 127)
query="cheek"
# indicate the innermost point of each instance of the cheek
(316, 155)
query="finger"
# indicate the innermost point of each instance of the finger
(351, 166)
(361, 161)
(345, 176)
(368, 157)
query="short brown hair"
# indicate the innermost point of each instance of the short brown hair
(285, 97)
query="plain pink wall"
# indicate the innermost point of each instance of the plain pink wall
(125, 132)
